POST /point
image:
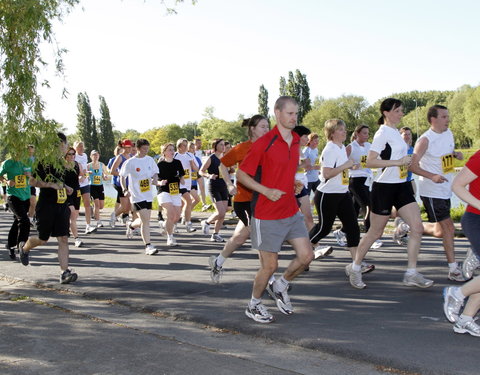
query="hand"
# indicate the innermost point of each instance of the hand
(406, 160)
(438, 178)
(162, 182)
(213, 177)
(232, 189)
(298, 186)
(11, 183)
(274, 194)
(348, 164)
(458, 155)
(355, 167)
(69, 190)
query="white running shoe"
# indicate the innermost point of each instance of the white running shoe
(322, 251)
(78, 242)
(90, 229)
(150, 250)
(456, 275)
(205, 227)
(470, 264)
(189, 228)
(376, 245)
(129, 230)
(355, 277)
(113, 218)
(161, 226)
(216, 238)
(417, 279)
(99, 224)
(340, 237)
(259, 313)
(171, 241)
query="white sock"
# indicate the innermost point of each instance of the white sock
(457, 292)
(254, 301)
(453, 266)
(280, 285)
(464, 318)
(220, 260)
(356, 268)
(411, 271)
(272, 279)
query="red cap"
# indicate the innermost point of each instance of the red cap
(127, 143)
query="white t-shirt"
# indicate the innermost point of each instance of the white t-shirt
(83, 161)
(140, 172)
(389, 144)
(300, 175)
(185, 160)
(332, 157)
(312, 154)
(438, 159)
(359, 154)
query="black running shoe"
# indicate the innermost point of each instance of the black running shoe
(68, 277)
(23, 254)
(12, 253)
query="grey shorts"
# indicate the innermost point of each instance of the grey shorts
(269, 235)
(437, 209)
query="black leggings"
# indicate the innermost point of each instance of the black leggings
(328, 206)
(361, 196)
(20, 229)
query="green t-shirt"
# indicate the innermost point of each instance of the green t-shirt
(15, 170)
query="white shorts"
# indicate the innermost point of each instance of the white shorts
(165, 197)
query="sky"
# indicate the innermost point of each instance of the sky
(155, 69)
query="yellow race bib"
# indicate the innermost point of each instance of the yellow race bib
(403, 171)
(144, 185)
(173, 188)
(363, 161)
(187, 173)
(97, 180)
(345, 177)
(21, 181)
(447, 163)
(61, 195)
(194, 175)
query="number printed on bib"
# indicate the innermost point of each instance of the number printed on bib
(363, 161)
(403, 171)
(97, 180)
(447, 163)
(21, 181)
(345, 177)
(173, 188)
(187, 173)
(61, 195)
(144, 185)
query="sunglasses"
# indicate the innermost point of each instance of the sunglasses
(70, 153)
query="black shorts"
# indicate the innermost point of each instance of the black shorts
(183, 191)
(437, 209)
(53, 220)
(243, 211)
(142, 205)
(97, 192)
(33, 191)
(74, 199)
(219, 195)
(119, 192)
(85, 189)
(302, 193)
(385, 196)
(312, 186)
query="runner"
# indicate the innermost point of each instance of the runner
(97, 173)
(195, 176)
(169, 179)
(433, 161)
(53, 214)
(18, 199)
(257, 126)
(82, 159)
(189, 165)
(273, 160)
(391, 188)
(201, 183)
(33, 191)
(466, 185)
(313, 172)
(218, 191)
(72, 175)
(113, 217)
(141, 172)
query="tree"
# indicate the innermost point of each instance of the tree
(94, 145)
(263, 101)
(106, 139)
(84, 120)
(283, 85)
(297, 87)
(472, 115)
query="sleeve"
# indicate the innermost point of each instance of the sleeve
(329, 158)
(124, 171)
(254, 157)
(474, 163)
(230, 158)
(379, 142)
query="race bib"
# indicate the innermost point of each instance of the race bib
(363, 161)
(97, 180)
(144, 185)
(173, 188)
(194, 175)
(345, 177)
(61, 195)
(447, 163)
(21, 181)
(187, 173)
(403, 171)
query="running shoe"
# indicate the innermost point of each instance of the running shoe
(355, 277)
(216, 238)
(469, 327)
(400, 234)
(182, 220)
(161, 226)
(340, 237)
(175, 229)
(113, 218)
(90, 229)
(456, 275)
(24, 255)
(322, 251)
(68, 276)
(376, 245)
(99, 224)
(470, 264)
(451, 304)
(78, 242)
(129, 229)
(189, 228)
(205, 227)
(417, 279)
(259, 313)
(150, 250)
(366, 267)
(171, 241)
(206, 207)
(215, 271)
(282, 300)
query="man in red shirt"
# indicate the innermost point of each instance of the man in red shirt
(269, 171)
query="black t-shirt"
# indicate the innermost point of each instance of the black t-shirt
(71, 177)
(217, 183)
(49, 174)
(171, 172)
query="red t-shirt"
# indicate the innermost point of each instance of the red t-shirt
(235, 156)
(273, 163)
(474, 187)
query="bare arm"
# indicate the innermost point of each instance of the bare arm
(418, 152)
(203, 171)
(226, 177)
(374, 162)
(332, 172)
